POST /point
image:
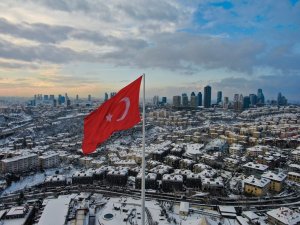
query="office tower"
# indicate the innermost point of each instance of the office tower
(281, 100)
(207, 97)
(260, 97)
(219, 97)
(54, 102)
(61, 99)
(194, 101)
(68, 102)
(176, 101)
(241, 103)
(193, 94)
(105, 96)
(253, 99)
(156, 100)
(236, 102)
(77, 98)
(226, 103)
(199, 99)
(246, 102)
(164, 100)
(51, 97)
(66, 97)
(185, 100)
(89, 98)
(35, 97)
(46, 97)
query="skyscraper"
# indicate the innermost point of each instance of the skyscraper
(77, 98)
(193, 101)
(226, 103)
(89, 98)
(164, 100)
(199, 99)
(207, 97)
(260, 97)
(105, 96)
(246, 102)
(185, 100)
(253, 99)
(176, 101)
(219, 97)
(156, 100)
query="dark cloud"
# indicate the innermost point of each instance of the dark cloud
(37, 32)
(271, 85)
(41, 53)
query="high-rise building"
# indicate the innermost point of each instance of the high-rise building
(156, 100)
(281, 100)
(51, 97)
(77, 98)
(68, 102)
(89, 98)
(176, 101)
(253, 99)
(164, 100)
(66, 96)
(219, 97)
(226, 103)
(260, 97)
(105, 96)
(246, 102)
(241, 103)
(185, 100)
(199, 99)
(46, 97)
(236, 102)
(194, 101)
(207, 97)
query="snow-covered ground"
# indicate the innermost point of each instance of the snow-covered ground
(32, 180)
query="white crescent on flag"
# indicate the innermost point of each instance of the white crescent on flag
(127, 102)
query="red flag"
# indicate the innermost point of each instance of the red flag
(121, 112)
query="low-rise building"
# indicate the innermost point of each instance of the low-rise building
(20, 164)
(171, 183)
(293, 176)
(213, 185)
(82, 177)
(56, 180)
(256, 187)
(150, 181)
(49, 160)
(117, 176)
(277, 180)
(255, 169)
(283, 216)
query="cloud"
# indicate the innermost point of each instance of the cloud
(183, 37)
(271, 85)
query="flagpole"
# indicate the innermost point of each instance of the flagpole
(143, 157)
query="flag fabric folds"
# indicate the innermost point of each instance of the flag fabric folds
(120, 112)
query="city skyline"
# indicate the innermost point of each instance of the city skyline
(87, 47)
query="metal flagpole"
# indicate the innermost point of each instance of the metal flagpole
(143, 157)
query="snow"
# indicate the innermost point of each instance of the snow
(30, 181)
(285, 215)
(57, 210)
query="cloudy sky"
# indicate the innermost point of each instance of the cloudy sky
(93, 46)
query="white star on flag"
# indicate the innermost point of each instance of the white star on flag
(108, 117)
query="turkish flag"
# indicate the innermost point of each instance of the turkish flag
(120, 112)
